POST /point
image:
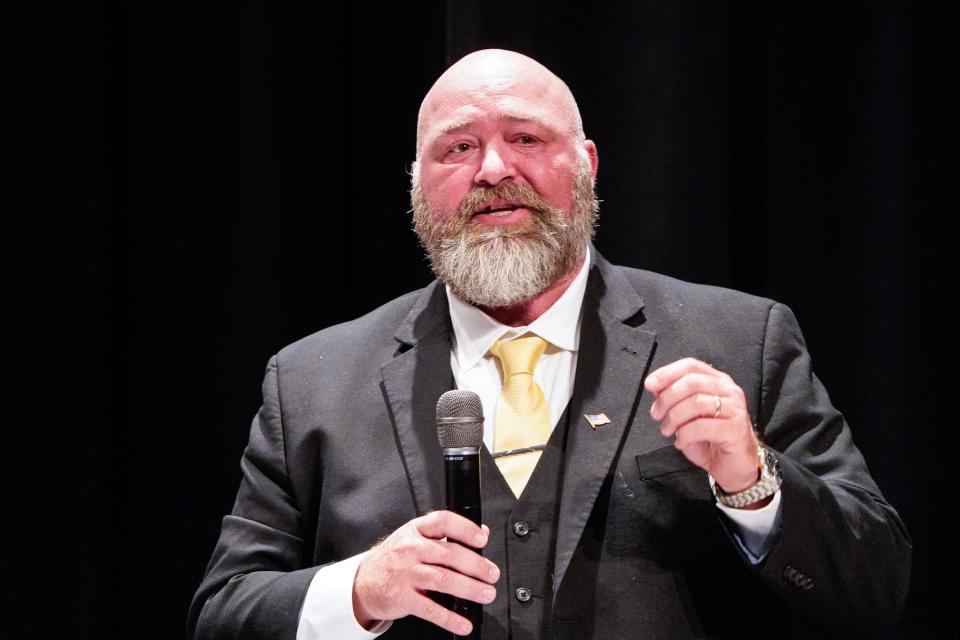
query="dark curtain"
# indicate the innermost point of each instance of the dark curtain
(187, 187)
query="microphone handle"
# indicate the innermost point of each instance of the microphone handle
(462, 468)
(462, 471)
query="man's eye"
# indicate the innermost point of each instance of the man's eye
(460, 148)
(526, 139)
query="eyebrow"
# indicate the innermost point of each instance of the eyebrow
(523, 118)
(456, 127)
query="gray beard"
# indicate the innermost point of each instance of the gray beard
(499, 266)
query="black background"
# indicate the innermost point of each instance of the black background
(187, 187)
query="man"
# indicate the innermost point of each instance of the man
(646, 507)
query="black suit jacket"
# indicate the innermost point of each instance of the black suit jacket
(344, 450)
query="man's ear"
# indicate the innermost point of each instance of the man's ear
(591, 148)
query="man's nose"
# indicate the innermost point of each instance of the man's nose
(495, 166)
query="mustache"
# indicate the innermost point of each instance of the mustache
(521, 194)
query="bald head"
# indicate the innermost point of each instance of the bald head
(493, 74)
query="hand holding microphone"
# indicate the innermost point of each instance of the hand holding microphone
(436, 552)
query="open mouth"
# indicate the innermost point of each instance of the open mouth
(497, 209)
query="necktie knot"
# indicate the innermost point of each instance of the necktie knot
(520, 355)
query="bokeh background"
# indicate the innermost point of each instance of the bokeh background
(185, 187)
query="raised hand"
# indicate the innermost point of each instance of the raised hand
(705, 412)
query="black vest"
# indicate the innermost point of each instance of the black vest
(523, 535)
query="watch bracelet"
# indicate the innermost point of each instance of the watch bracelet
(766, 485)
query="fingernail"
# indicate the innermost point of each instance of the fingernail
(493, 573)
(464, 629)
(652, 382)
(481, 539)
(654, 411)
(489, 594)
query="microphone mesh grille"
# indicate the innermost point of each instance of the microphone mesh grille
(460, 404)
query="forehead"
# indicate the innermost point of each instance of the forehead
(495, 99)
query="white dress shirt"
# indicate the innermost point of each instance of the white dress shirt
(474, 332)
(327, 610)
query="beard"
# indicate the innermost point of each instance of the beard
(496, 266)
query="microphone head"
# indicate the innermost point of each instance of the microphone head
(460, 420)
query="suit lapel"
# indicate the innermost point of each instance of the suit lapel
(412, 382)
(611, 363)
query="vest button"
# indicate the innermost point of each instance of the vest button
(523, 594)
(521, 528)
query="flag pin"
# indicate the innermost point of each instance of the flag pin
(596, 419)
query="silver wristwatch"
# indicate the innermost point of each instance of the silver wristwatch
(768, 484)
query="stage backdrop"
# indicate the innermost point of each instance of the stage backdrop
(187, 187)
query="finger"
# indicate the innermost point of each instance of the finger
(444, 580)
(698, 405)
(689, 385)
(461, 559)
(424, 607)
(719, 433)
(446, 524)
(670, 373)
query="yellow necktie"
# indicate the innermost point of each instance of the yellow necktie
(522, 419)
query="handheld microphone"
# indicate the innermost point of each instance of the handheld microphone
(460, 430)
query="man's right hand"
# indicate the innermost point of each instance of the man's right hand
(394, 577)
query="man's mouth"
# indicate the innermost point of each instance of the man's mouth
(498, 209)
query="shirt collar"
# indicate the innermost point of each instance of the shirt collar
(474, 332)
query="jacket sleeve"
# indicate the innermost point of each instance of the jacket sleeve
(255, 582)
(843, 555)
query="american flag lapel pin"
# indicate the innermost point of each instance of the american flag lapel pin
(596, 419)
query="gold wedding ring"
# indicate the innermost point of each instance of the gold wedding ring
(717, 404)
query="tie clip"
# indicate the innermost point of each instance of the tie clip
(513, 452)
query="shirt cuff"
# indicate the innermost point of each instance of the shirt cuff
(327, 610)
(755, 530)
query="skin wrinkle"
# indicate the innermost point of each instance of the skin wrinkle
(462, 125)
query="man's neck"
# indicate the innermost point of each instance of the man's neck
(524, 313)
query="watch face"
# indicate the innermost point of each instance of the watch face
(770, 462)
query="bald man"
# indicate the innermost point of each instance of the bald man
(672, 498)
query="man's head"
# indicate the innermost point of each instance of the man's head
(502, 187)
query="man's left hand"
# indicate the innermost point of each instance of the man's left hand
(706, 413)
